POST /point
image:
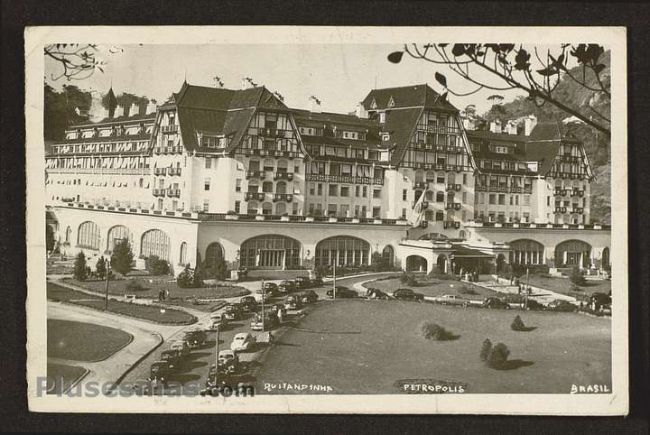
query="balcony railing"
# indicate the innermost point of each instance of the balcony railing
(174, 193)
(158, 192)
(451, 224)
(344, 179)
(288, 197)
(420, 185)
(578, 210)
(255, 174)
(283, 176)
(174, 171)
(577, 192)
(160, 171)
(560, 210)
(453, 206)
(173, 128)
(258, 196)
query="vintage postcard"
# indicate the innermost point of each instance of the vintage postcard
(327, 220)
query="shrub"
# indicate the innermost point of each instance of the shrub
(156, 266)
(133, 285)
(80, 269)
(518, 324)
(122, 257)
(100, 268)
(185, 279)
(576, 276)
(408, 279)
(433, 331)
(486, 348)
(498, 356)
(378, 262)
(197, 276)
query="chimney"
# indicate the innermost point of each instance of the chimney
(361, 112)
(495, 126)
(134, 109)
(119, 111)
(529, 124)
(151, 107)
(315, 105)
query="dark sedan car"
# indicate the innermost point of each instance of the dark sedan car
(406, 294)
(342, 292)
(563, 306)
(495, 303)
(248, 303)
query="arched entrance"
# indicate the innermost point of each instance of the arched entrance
(388, 256)
(155, 242)
(442, 263)
(342, 251)
(115, 235)
(501, 261)
(270, 251)
(88, 235)
(416, 263)
(573, 253)
(213, 255)
(526, 251)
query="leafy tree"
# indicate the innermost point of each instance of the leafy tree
(221, 270)
(185, 279)
(378, 262)
(156, 265)
(76, 61)
(122, 257)
(518, 324)
(80, 270)
(100, 268)
(576, 277)
(486, 348)
(197, 278)
(509, 67)
(498, 356)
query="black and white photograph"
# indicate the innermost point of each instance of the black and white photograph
(327, 220)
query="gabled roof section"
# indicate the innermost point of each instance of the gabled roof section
(400, 124)
(406, 96)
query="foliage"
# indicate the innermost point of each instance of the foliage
(378, 263)
(122, 257)
(486, 348)
(156, 265)
(80, 268)
(408, 279)
(498, 356)
(218, 271)
(518, 324)
(466, 290)
(185, 279)
(100, 268)
(576, 277)
(504, 67)
(76, 61)
(197, 276)
(433, 331)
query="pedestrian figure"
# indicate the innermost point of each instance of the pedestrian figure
(518, 289)
(160, 295)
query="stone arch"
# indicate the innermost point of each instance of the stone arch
(116, 234)
(388, 255)
(155, 242)
(416, 263)
(526, 251)
(88, 235)
(267, 208)
(270, 251)
(573, 253)
(342, 251)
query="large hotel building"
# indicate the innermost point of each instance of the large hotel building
(237, 175)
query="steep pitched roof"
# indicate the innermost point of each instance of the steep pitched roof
(400, 124)
(407, 96)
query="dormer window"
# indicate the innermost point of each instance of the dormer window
(211, 141)
(391, 102)
(373, 105)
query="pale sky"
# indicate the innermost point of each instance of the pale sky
(339, 75)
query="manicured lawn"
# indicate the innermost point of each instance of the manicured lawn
(361, 347)
(60, 377)
(153, 284)
(563, 285)
(79, 341)
(434, 287)
(170, 316)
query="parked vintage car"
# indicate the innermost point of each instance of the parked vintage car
(271, 288)
(342, 292)
(302, 282)
(159, 371)
(287, 286)
(309, 297)
(264, 322)
(375, 293)
(172, 356)
(248, 303)
(292, 302)
(232, 311)
(195, 338)
(495, 303)
(181, 346)
(562, 306)
(533, 305)
(242, 342)
(406, 294)
(227, 356)
(451, 300)
(217, 320)
(600, 301)
(317, 282)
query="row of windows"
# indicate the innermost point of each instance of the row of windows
(342, 210)
(316, 189)
(502, 199)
